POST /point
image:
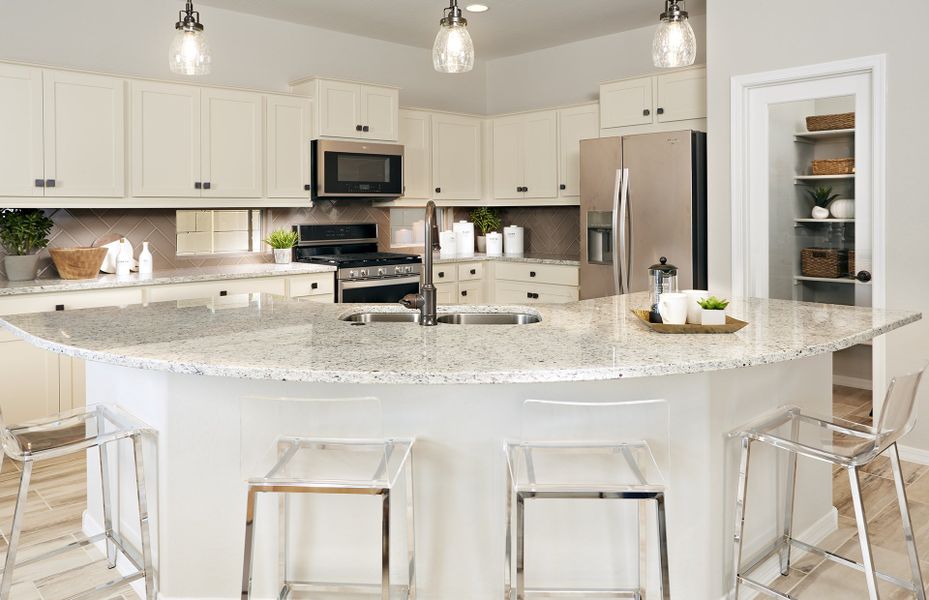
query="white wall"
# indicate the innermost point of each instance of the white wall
(131, 37)
(751, 37)
(572, 73)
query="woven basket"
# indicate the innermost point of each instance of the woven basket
(830, 122)
(824, 262)
(834, 166)
(78, 263)
(851, 263)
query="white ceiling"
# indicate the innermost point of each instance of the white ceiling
(509, 27)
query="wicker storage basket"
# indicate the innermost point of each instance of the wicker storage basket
(830, 122)
(851, 263)
(824, 262)
(834, 166)
(78, 263)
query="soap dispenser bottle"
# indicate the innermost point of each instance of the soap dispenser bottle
(123, 259)
(145, 260)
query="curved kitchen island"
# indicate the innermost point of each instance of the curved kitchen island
(189, 370)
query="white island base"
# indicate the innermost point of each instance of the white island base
(459, 466)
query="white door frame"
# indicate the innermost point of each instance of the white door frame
(745, 172)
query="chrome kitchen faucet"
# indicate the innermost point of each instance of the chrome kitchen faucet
(425, 300)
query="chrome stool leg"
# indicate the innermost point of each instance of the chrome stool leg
(663, 546)
(249, 542)
(866, 556)
(920, 588)
(745, 443)
(15, 529)
(143, 518)
(791, 493)
(107, 505)
(520, 546)
(385, 546)
(410, 533)
(508, 537)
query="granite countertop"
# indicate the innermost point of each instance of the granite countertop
(276, 338)
(160, 277)
(540, 259)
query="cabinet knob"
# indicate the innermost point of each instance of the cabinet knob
(660, 111)
(535, 296)
(531, 273)
(358, 128)
(438, 190)
(646, 112)
(314, 285)
(59, 307)
(307, 187)
(863, 276)
(441, 274)
(223, 292)
(49, 183)
(562, 187)
(40, 183)
(464, 292)
(197, 185)
(474, 271)
(207, 185)
(525, 189)
(366, 128)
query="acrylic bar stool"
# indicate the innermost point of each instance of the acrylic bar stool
(330, 462)
(848, 445)
(578, 451)
(69, 433)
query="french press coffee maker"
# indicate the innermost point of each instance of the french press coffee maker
(662, 279)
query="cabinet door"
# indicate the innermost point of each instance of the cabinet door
(509, 145)
(625, 103)
(165, 134)
(574, 125)
(456, 157)
(380, 113)
(682, 95)
(540, 155)
(32, 378)
(339, 109)
(230, 155)
(416, 137)
(21, 160)
(446, 293)
(288, 129)
(471, 292)
(85, 136)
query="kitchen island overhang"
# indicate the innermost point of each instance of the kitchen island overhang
(449, 397)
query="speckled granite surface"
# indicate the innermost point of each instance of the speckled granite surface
(540, 259)
(282, 339)
(160, 277)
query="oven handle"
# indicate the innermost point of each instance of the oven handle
(369, 283)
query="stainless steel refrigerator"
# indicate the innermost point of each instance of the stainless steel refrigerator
(642, 197)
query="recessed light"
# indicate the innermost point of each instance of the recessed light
(477, 8)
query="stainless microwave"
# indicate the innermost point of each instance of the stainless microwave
(344, 169)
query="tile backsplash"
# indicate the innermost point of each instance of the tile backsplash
(549, 229)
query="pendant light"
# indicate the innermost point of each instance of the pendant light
(189, 53)
(675, 44)
(453, 51)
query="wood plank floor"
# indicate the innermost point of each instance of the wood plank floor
(57, 499)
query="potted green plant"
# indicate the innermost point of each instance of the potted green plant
(282, 242)
(821, 198)
(486, 219)
(712, 310)
(23, 232)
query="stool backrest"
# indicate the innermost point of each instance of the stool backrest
(898, 414)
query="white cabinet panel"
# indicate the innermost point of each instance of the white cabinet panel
(322, 284)
(471, 292)
(289, 129)
(231, 144)
(380, 108)
(509, 146)
(165, 132)
(32, 303)
(627, 102)
(473, 271)
(416, 137)
(339, 105)
(532, 273)
(681, 95)
(31, 380)
(456, 157)
(445, 273)
(84, 135)
(216, 289)
(574, 124)
(21, 159)
(446, 293)
(512, 292)
(540, 155)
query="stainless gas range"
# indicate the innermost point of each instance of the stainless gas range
(364, 275)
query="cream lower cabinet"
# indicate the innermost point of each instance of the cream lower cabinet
(528, 283)
(460, 283)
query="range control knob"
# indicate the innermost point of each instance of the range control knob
(363, 273)
(407, 269)
(352, 274)
(381, 271)
(398, 270)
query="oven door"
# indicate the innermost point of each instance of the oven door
(356, 169)
(377, 291)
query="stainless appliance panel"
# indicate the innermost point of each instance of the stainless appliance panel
(600, 159)
(344, 169)
(377, 290)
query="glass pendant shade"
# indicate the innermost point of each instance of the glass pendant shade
(675, 44)
(189, 53)
(453, 51)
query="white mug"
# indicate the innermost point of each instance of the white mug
(694, 315)
(673, 308)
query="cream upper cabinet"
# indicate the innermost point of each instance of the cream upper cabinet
(525, 161)
(165, 140)
(574, 124)
(508, 160)
(231, 143)
(340, 106)
(456, 157)
(21, 151)
(347, 109)
(289, 129)
(416, 137)
(85, 136)
(380, 113)
(627, 102)
(681, 95)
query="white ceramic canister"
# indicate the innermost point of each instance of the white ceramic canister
(447, 244)
(403, 236)
(513, 240)
(494, 244)
(464, 238)
(843, 208)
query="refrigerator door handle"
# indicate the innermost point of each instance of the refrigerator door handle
(617, 236)
(625, 223)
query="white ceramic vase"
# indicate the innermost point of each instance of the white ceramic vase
(843, 208)
(820, 213)
(712, 317)
(283, 256)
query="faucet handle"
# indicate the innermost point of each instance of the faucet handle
(412, 301)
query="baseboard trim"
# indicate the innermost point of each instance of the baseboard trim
(770, 570)
(915, 455)
(853, 382)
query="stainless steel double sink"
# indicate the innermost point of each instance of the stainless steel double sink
(507, 318)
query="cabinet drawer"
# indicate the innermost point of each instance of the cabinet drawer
(470, 271)
(191, 291)
(510, 292)
(545, 274)
(471, 292)
(313, 285)
(445, 273)
(32, 303)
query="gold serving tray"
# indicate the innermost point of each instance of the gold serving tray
(732, 325)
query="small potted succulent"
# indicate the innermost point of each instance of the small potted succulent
(712, 310)
(486, 219)
(821, 197)
(23, 232)
(282, 242)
